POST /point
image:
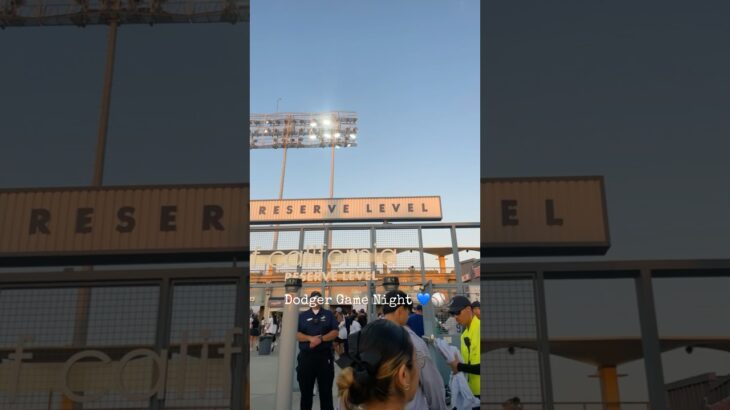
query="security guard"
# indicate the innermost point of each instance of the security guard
(461, 308)
(315, 363)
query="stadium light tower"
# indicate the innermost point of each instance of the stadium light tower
(113, 13)
(304, 130)
(82, 13)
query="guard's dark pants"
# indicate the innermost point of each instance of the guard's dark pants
(319, 367)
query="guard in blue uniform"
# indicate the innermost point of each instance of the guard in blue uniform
(315, 363)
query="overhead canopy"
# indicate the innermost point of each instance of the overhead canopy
(608, 351)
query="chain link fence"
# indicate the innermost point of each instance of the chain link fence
(154, 343)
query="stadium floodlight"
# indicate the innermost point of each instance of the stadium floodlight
(303, 130)
(81, 13)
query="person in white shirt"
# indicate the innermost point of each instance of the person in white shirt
(450, 326)
(271, 328)
(347, 325)
(430, 394)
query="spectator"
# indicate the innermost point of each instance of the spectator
(383, 370)
(476, 307)
(415, 320)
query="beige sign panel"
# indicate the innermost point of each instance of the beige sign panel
(123, 224)
(544, 216)
(421, 208)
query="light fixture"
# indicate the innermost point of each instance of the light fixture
(303, 130)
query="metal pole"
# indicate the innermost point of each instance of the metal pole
(283, 171)
(325, 258)
(428, 313)
(240, 383)
(543, 341)
(332, 185)
(283, 161)
(83, 299)
(332, 170)
(106, 96)
(287, 355)
(650, 340)
(373, 269)
(423, 261)
(457, 264)
(162, 338)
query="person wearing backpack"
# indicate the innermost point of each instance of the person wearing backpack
(255, 331)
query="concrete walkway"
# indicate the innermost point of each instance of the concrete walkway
(263, 383)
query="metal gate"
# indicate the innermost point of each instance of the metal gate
(131, 339)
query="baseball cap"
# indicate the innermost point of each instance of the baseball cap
(338, 309)
(395, 299)
(315, 293)
(418, 308)
(476, 304)
(458, 303)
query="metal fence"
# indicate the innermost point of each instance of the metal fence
(359, 256)
(514, 297)
(165, 339)
(510, 312)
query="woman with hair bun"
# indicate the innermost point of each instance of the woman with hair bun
(380, 369)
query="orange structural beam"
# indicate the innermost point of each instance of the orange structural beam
(609, 387)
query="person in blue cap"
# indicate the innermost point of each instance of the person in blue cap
(415, 320)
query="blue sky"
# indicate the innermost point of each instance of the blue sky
(410, 69)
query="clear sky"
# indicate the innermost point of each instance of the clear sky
(410, 69)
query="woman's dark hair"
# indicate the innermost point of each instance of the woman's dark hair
(374, 357)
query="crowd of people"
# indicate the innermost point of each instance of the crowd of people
(386, 364)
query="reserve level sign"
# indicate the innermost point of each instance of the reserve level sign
(420, 208)
(126, 224)
(544, 216)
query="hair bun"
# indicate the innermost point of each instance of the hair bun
(372, 364)
(361, 372)
(351, 389)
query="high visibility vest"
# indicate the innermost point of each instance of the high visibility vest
(472, 354)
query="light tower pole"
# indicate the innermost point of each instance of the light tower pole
(287, 132)
(303, 130)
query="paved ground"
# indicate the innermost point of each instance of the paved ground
(263, 382)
